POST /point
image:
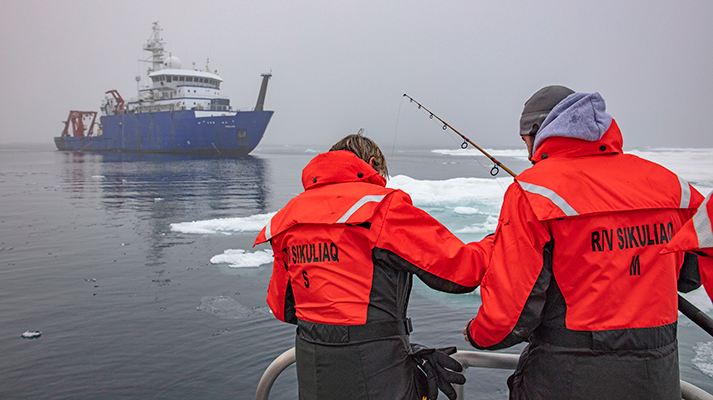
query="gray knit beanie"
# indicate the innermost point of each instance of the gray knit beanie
(539, 105)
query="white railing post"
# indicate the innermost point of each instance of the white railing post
(276, 367)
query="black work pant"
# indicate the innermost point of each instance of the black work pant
(547, 371)
(376, 369)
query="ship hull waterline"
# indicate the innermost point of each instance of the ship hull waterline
(180, 132)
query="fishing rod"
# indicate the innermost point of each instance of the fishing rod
(684, 306)
(493, 171)
(696, 315)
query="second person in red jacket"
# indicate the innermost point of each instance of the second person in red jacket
(346, 250)
(576, 269)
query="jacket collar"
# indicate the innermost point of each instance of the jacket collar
(339, 167)
(610, 143)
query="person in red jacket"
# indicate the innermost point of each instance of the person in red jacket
(576, 270)
(345, 252)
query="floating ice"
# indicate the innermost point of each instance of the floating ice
(31, 334)
(241, 259)
(704, 357)
(456, 192)
(486, 227)
(451, 201)
(467, 206)
(520, 154)
(465, 210)
(225, 226)
(226, 307)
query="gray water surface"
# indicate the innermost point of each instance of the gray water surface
(129, 309)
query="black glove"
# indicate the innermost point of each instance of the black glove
(438, 367)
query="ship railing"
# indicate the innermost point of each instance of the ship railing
(477, 359)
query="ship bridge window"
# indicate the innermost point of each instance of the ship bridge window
(182, 78)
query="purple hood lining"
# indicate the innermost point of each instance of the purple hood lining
(579, 115)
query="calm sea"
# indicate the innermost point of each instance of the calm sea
(129, 308)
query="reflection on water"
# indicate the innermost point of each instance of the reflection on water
(219, 186)
(179, 181)
(163, 188)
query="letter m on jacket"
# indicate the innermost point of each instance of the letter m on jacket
(635, 266)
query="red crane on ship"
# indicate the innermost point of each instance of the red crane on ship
(119, 101)
(77, 118)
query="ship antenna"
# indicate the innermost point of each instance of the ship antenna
(155, 46)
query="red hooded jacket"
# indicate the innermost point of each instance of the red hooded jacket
(607, 215)
(346, 247)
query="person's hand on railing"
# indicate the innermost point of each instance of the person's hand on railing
(438, 367)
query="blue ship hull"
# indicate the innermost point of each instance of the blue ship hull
(183, 131)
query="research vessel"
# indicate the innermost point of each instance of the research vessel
(176, 111)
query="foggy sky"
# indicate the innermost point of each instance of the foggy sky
(343, 65)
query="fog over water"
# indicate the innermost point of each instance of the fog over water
(341, 66)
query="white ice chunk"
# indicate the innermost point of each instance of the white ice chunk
(225, 226)
(465, 210)
(239, 258)
(704, 357)
(31, 334)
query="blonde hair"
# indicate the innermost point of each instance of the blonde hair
(364, 148)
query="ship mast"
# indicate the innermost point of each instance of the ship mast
(155, 46)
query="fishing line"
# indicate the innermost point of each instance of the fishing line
(396, 129)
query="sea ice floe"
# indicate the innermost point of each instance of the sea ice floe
(455, 192)
(239, 258)
(465, 210)
(704, 357)
(489, 226)
(226, 307)
(520, 154)
(225, 226)
(31, 334)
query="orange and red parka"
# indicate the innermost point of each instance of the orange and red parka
(584, 225)
(346, 248)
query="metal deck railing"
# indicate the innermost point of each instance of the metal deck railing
(478, 359)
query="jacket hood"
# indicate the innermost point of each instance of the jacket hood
(337, 167)
(579, 116)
